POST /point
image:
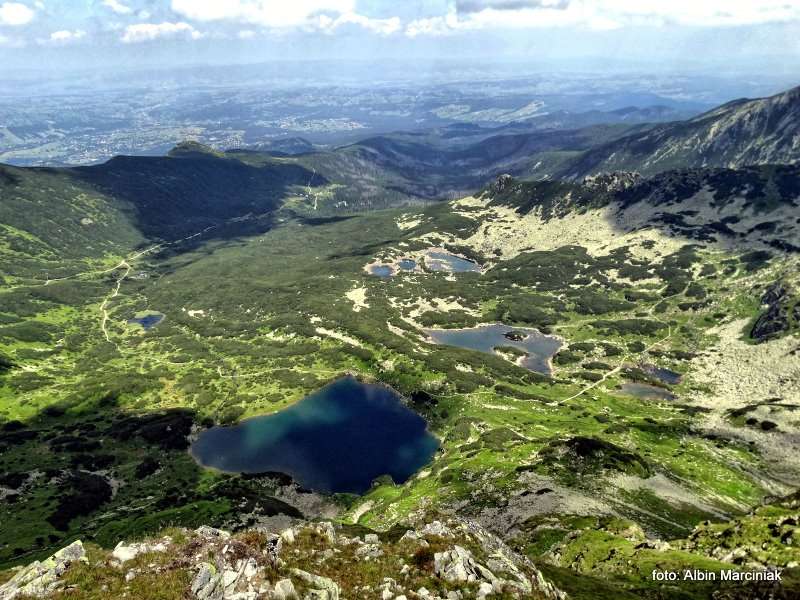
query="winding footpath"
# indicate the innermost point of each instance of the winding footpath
(619, 366)
(111, 296)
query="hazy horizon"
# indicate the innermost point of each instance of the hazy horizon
(737, 38)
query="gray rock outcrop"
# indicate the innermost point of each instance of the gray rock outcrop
(40, 579)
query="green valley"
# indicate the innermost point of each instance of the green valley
(600, 470)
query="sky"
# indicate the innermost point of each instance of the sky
(747, 35)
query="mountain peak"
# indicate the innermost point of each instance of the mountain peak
(737, 134)
(190, 148)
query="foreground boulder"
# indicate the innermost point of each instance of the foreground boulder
(43, 578)
(124, 552)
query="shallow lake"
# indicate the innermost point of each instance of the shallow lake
(338, 439)
(485, 338)
(407, 264)
(147, 321)
(381, 270)
(444, 261)
(663, 375)
(647, 392)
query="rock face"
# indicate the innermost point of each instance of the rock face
(458, 565)
(778, 316)
(311, 561)
(502, 183)
(612, 182)
(238, 571)
(41, 579)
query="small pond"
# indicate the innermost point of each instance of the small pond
(647, 392)
(663, 375)
(338, 439)
(147, 320)
(407, 264)
(437, 260)
(380, 270)
(540, 348)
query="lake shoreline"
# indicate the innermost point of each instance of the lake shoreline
(338, 439)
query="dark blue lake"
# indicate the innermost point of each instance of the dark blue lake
(338, 439)
(147, 321)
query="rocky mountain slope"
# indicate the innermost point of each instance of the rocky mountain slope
(736, 134)
(450, 560)
(752, 207)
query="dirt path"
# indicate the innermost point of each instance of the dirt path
(110, 297)
(128, 267)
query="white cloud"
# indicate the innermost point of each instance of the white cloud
(246, 34)
(267, 13)
(326, 15)
(118, 7)
(14, 13)
(379, 26)
(701, 13)
(145, 32)
(433, 25)
(602, 14)
(65, 36)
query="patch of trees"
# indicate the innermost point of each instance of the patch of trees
(596, 366)
(590, 376)
(27, 381)
(554, 269)
(628, 326)
(594, 302)
(70, 293)
(636, 346)
(147, 467)
(611, 349)
(167, 429)
(453, 318)
(85, 493)
(695, 290)
(525, 312)
(292, 379)
(635, 270)
(567, 357)
(756, 260)
(31, 331)
(586, 455)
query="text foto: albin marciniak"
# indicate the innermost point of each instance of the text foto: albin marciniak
(723, 575)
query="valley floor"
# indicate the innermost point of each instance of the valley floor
(96, 412)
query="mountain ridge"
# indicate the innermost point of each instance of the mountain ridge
(738, 133)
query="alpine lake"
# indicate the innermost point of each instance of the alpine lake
(336, 440)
